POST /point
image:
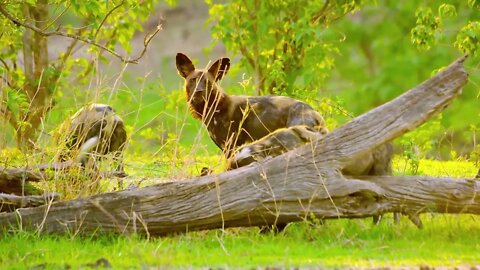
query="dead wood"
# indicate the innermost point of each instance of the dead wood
(10, 202)
(24, 174)
(287, 188)
(16, 180)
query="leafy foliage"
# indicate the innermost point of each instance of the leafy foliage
(290, 53)
(423, 35)
(429, 28)
(378, 63)
(283, 43)
(108, 23)
(468, 39)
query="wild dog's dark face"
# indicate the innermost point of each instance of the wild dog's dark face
(274, 144)
(201, 85)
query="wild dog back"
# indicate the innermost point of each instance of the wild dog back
(276, 143)
(251, 118)
(95, 128)
(376, 162)
(235, 120)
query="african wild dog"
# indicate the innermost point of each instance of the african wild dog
(233, 121)
(376, 162)
(95, 130)
(274, 144)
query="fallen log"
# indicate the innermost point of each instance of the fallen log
(24, 174)
(11, 202)
(287, 188)
(15, 180)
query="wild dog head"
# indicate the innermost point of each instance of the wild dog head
(201, 86)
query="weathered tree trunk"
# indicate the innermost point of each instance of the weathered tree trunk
(9, 202)
(16, 181)
(35, 55)
(283, 189)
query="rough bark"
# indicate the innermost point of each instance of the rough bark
(35, 54)
(16, 180)
(287, 188)
(10, 202)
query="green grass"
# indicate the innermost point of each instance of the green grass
(446, 240)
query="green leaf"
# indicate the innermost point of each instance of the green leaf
(468, 38)
(447, 10)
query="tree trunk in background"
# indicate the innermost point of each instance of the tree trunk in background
(37, 83)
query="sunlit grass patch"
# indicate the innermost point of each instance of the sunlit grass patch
(446, 240)
(167, 167)
(449, 168)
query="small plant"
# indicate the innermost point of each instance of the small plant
(419, 144)
(412, 159)
(475, 154)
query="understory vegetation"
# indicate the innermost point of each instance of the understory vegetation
(445, 240)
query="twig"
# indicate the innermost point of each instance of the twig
(85, 40)
(69, 50)
(5, 64)
(56, 18)
(146, 41)
(91, 64)
(105, 18)
(322, 12)
(7, 114)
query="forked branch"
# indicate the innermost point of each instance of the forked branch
(37, 30)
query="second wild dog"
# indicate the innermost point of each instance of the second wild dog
(376, 162)
(95, 130)
(274, 144)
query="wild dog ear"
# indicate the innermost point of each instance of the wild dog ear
(219, 68)
(184, 65)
